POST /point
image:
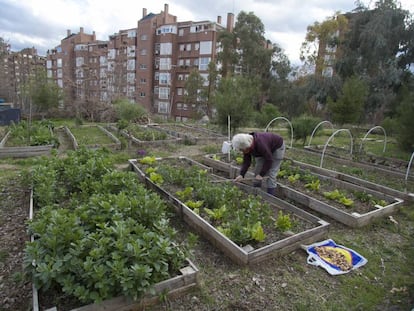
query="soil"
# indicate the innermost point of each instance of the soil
(281, 283)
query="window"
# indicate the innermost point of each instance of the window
(131, 64)
(179, 91)
(59, 62)
(79, 61)
(103, 60)
(181, 32)
(165, 63)
(142, 66)
(164, 78)
(132, 33)
(157, 76)
(59, 73)
(179, 106)
(143, 52)
(164, 93)
(182, 47)
(181, 62)
(204, 61)
(206, 47)
(166, 48)
(185, 107)
(50, 74)
(188, 47)
(131, 51)
(187, 62)
(48, 64)
(143, 81)
(162, 107)
(196, 46)
(131, 77)
(144, 37)
(142, 94)
(167, 29)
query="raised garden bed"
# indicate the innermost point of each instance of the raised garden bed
(15, 145)
(92, 137)
(394, 179)
(189, 134)
(97, 234)
(390, 166)
(142, 135)
(234, 218)
(348, 203)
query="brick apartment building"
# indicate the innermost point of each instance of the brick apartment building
(17, 70)
(148, 64)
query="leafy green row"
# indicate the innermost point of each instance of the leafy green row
(239, 216)
(98, 232)
(39, 133)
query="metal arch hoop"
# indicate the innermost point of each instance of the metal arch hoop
(408, 170)
(375, 127)
(316, 127)
(329, 139)
(290, 124)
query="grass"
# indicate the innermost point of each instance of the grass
(384, 283)
(90, 135)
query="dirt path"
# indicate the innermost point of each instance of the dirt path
(64, 142)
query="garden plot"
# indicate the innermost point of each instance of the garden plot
(392, 182)
(92, 137)
(390, 166)
(190, 134)
(348, 203)
(22, 142)
(142, 135)
(234, 218)
(406, 196)
(100, 239)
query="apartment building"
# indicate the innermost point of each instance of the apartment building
(148, 64)
(17, 71)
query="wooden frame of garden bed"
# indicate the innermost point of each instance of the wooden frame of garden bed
(351, 219)
(23, 151)
(246, 255)
(116, 145)
(172, 288)
(398, 173)
(171, 139)
(205, 136)
(406, 196)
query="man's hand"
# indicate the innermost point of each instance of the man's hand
(238, 178)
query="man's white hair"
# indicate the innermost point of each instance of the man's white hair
(242, 141)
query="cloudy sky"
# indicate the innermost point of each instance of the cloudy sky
(43, 23)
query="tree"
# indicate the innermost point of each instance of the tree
(129, 111)
(378, 47)
(247, 52)
(404, 118)
(194, 95)
(303, 127)
(350, 104)
(319, 36)
(41, 93)
(234, 98)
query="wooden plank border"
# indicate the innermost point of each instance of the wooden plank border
(247, 255)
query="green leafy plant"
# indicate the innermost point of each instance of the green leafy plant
(338, 196)
(314, 185)
(148, 160)
(257, 232)
(283, 221)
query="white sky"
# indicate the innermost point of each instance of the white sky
(43, 23)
